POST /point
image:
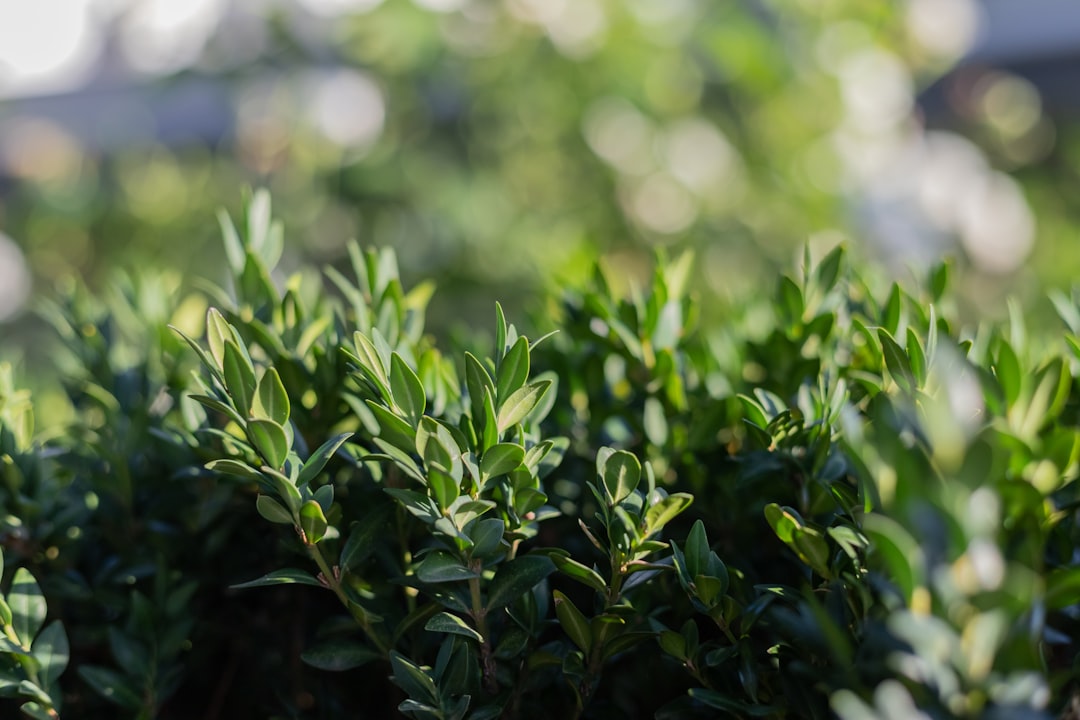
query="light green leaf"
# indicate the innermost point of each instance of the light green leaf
(407, 389)
(28, 608)
(269, 440)
(320, 457)
(271, 402)
(514, 369)
(520, 403)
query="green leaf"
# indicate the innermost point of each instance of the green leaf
(239, 378)
(272, 510)
(444, 489)
(517, 577)
(487, 536)
(1063, 587)
(234, 467)
(407, 389)
(828, 270)
(573, 622)
(320, 457)
(663, 512)
(573, 569)
(288, 493)
(270, 440)
(673, 644)
(312, 521)
(338, 655)
(500, 459)
(520, 403)
(111, 685)
(896, 360)
(218, 331)
(371, 364)
(621, 472)
(440, 567)
(514, 369)
(37, 711)
(1008, 373)
(411, 678)
(285, 576)
(655, 421)
(271, 401)
(917, 357)
(393, 429)
(364, 536)
(737, 708)
(28, 608)
(477, 379)
(51, 651)
(444, 622)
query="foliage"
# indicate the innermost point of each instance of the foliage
(838, 502)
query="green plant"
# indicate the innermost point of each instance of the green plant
(838, 502)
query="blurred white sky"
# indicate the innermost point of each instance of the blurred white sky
(50, 46)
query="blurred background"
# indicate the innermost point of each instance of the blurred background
(500, 145)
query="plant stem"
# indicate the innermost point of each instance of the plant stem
(479, 615)
(333, 581)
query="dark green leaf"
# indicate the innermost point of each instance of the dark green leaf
(573, 622)
(572, 568)
(281, 577)
(517, 577)
(364, 536)
(111, 685)
(411, 678)
(320, 457)
(393, 429)
(440, 567)
(272, 510)
(337, 655)
(444, 622)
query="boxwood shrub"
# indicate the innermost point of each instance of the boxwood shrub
(287, 499)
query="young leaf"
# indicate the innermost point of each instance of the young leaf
(269, 440)
(407, 390)
(393, 429)
(239, 378)
(514, 369)
(621, 472)
(896, 360)
(27, 605)
(520, 403)
(663, 512)
(312, 521)
(573, 569)
(271, 402)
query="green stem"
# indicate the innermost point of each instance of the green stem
(479, 615)
(334, 583)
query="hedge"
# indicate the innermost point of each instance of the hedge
(836, 501)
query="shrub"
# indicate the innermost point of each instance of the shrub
(838, 502)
